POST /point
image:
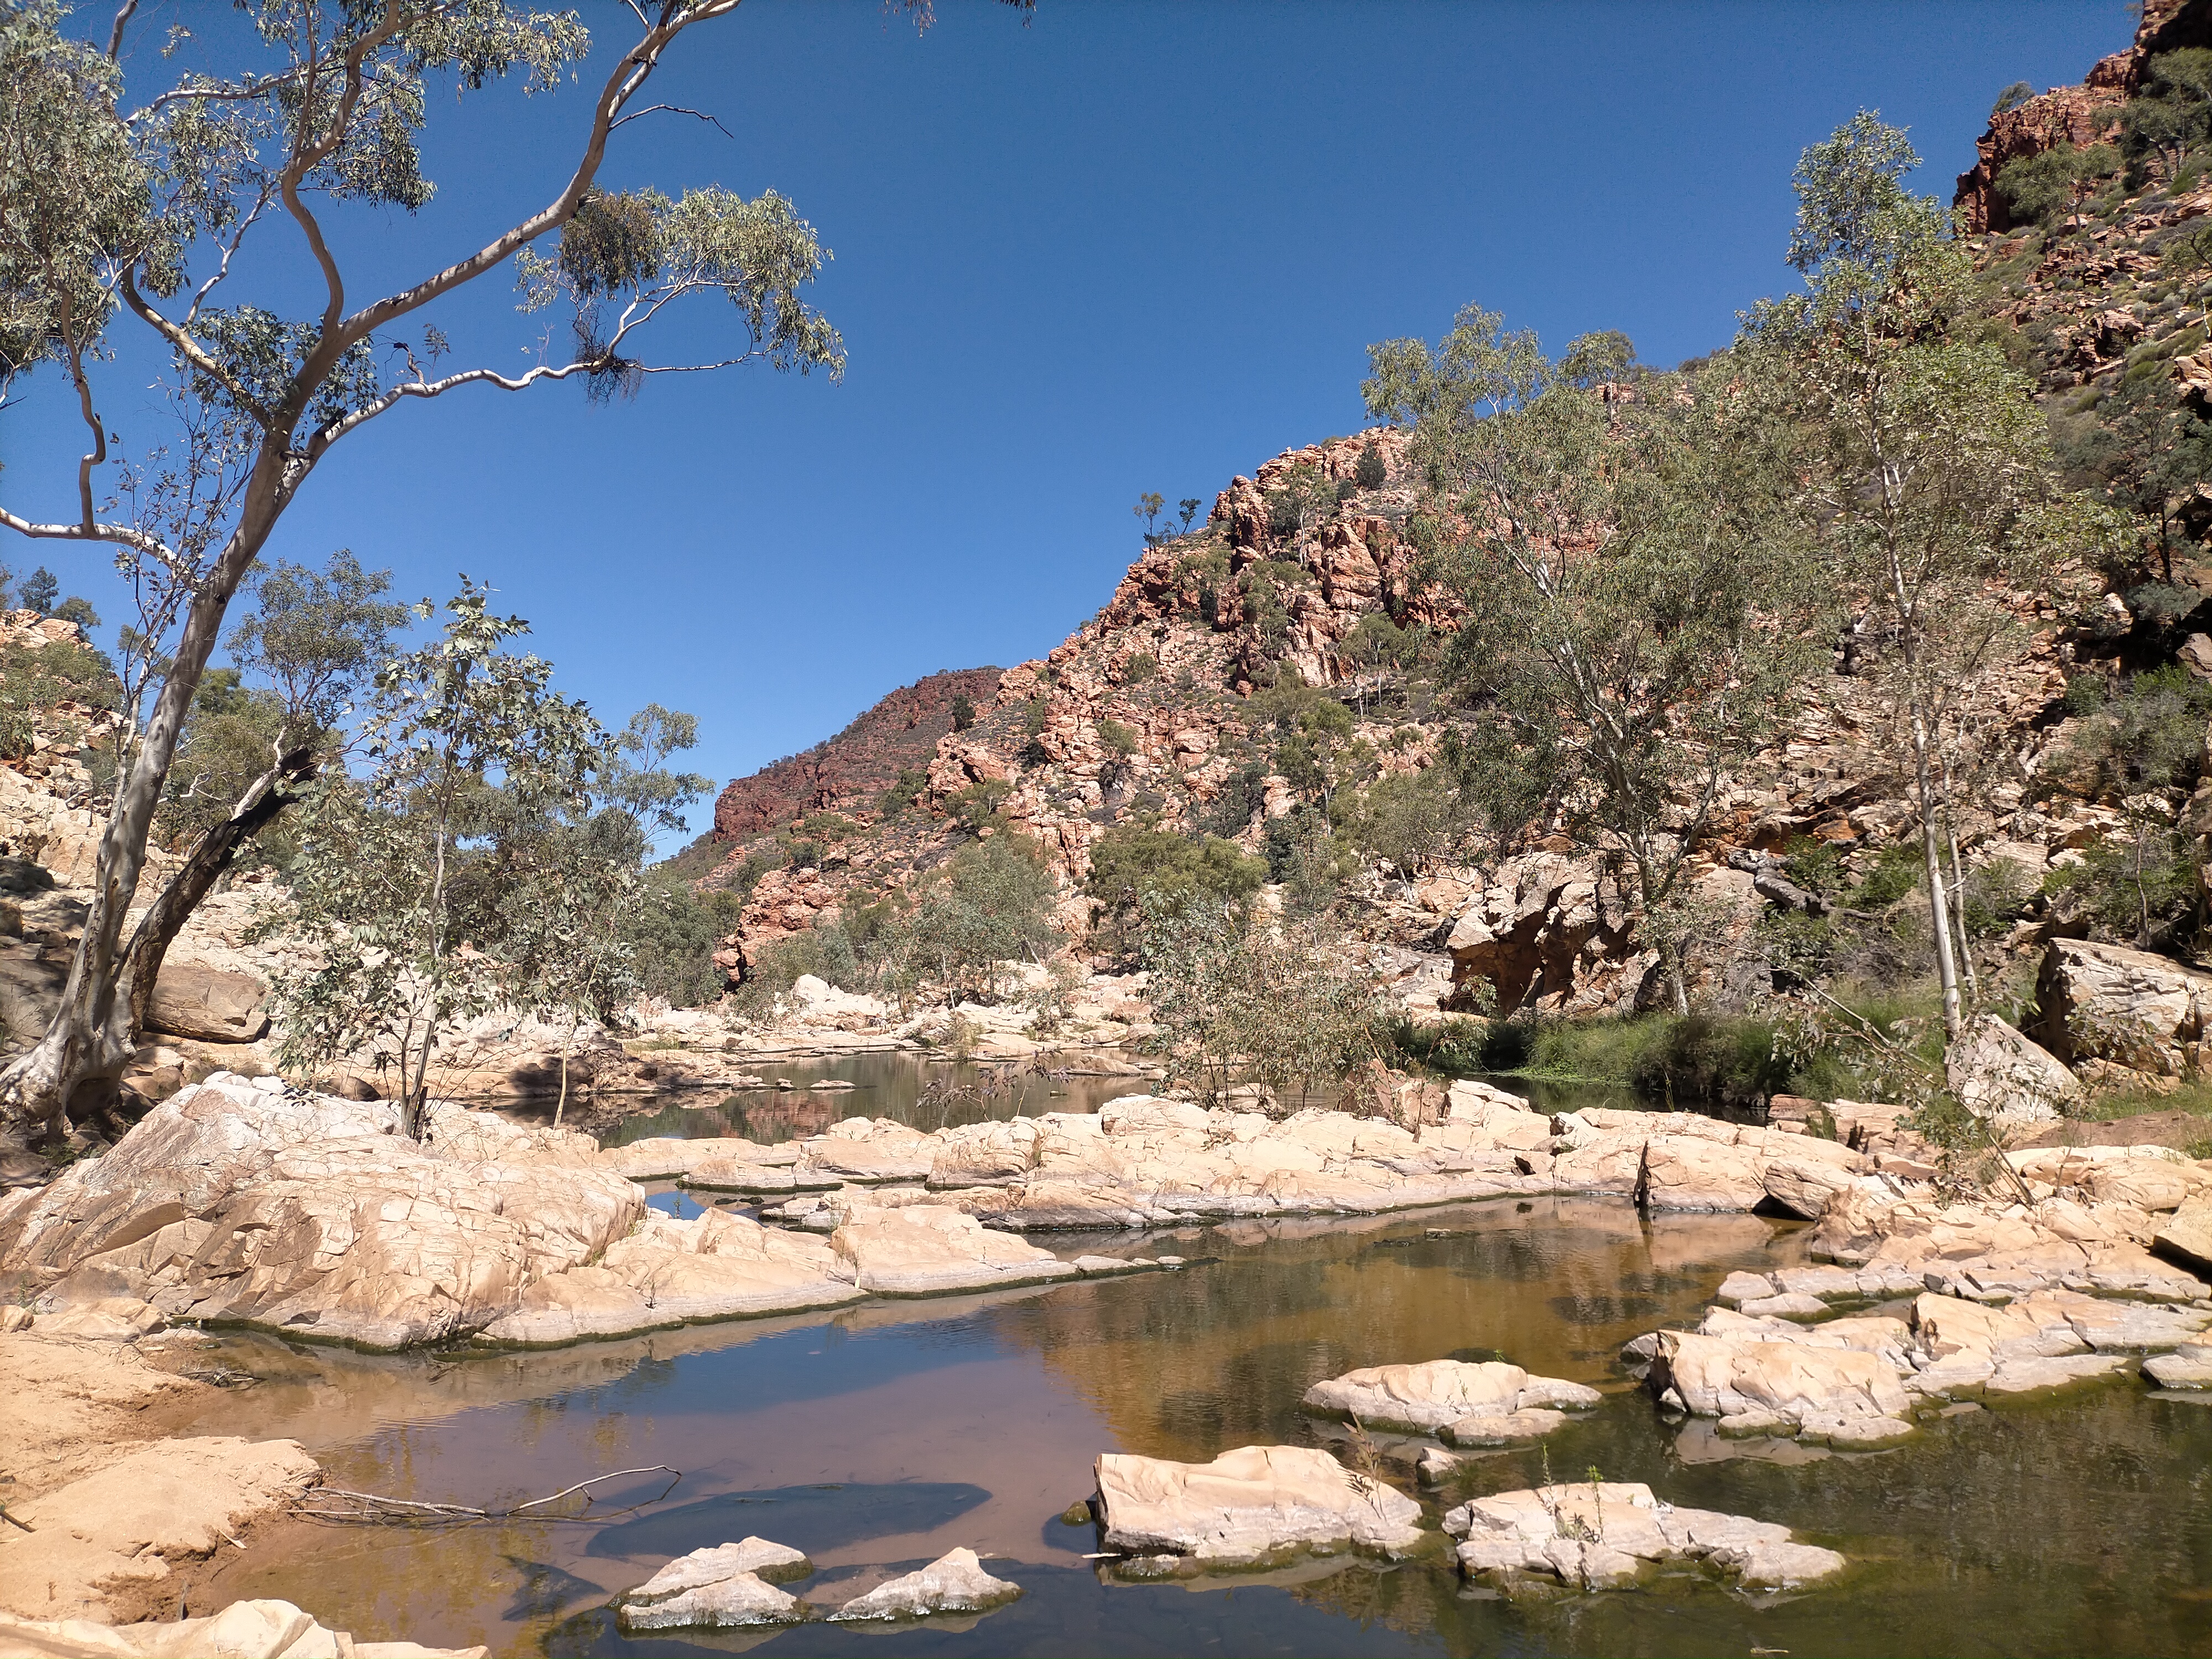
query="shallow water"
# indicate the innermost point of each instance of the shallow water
(880, 1438)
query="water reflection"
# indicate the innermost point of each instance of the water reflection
(884, 1436)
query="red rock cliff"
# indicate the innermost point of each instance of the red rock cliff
(857, 764)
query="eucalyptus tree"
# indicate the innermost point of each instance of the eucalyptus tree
(405, 885)
(1923, 452)
(157, 212)
(1634, 609)
(307, 648)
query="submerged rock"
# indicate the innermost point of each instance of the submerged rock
(1249, 1505)
(725, 1585)
(1488, 1403)
(1600, 1535)
(954, 1583)
(244, 1630)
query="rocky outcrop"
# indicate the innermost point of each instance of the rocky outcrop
(724, 1586)
(953, 1584)
(1254, 1505)
(1549, 932)
(1605, 1535)
(1483, 1404)
(846, 772)
(2079, 116)
(930, 1249)
(254, 1203)
(669, 1272)
(1148, 1161)
(1998, 1074)
(244, 1630)
(2132, 1008)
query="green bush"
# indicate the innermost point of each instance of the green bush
(1131, 861)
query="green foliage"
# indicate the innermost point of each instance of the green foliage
(1405, 819)
(37, 591)
(1138, 667)
(964, 711)
(902, 790)
(977, 805)
(2042, 186)
(825, 951)
(1243, 795)
(1636, 609)
(34, 679)
(990, 903)
(456, 837)
(2172, 115)
(1117, 739)
(2011, 99)
(672, 939)
(1131, 863)
(1372, 471)
(1235, 1002)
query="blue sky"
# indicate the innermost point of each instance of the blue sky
(1126, 247)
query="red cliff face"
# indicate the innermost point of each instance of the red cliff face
(2079, 116)
(859, 764)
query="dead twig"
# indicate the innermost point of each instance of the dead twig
(374, 1509)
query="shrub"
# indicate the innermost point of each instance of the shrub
(1133, 862)
(1372, 473)
(1138, 667)
(1117, 738)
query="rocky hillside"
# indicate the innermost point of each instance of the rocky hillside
(1183, 704)
(846, 772)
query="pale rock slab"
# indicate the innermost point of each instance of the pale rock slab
(105, 1541)
(930, 1249)
(954, 1583)
(725, 1585)
(1248, 1505)
(1601, 1535)
(1425, 1398)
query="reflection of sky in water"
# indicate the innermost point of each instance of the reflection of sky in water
(881, 1436)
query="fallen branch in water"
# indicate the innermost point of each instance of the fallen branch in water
(372, 1509)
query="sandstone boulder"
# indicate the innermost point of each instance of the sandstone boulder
(244, 1630)
(1600, 1535)
(1253, 1504)
(669, 1272)
(725, 1585)
(1763, 1380)
(955, 1582)
(2130, 1007)
(209, 1004)
(1422, 1399)
(1996, 1073)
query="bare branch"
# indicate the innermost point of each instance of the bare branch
(222, 270)
(115, 35)
(190, 349)
(672, 109)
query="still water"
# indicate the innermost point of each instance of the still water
(878, 1438)
(926, 1094)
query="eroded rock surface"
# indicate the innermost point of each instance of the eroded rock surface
(105, 1545)
(1144, 1160)
(1255, 1503)
(1601, 1535)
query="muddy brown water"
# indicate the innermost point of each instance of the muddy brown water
(878, 1438)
